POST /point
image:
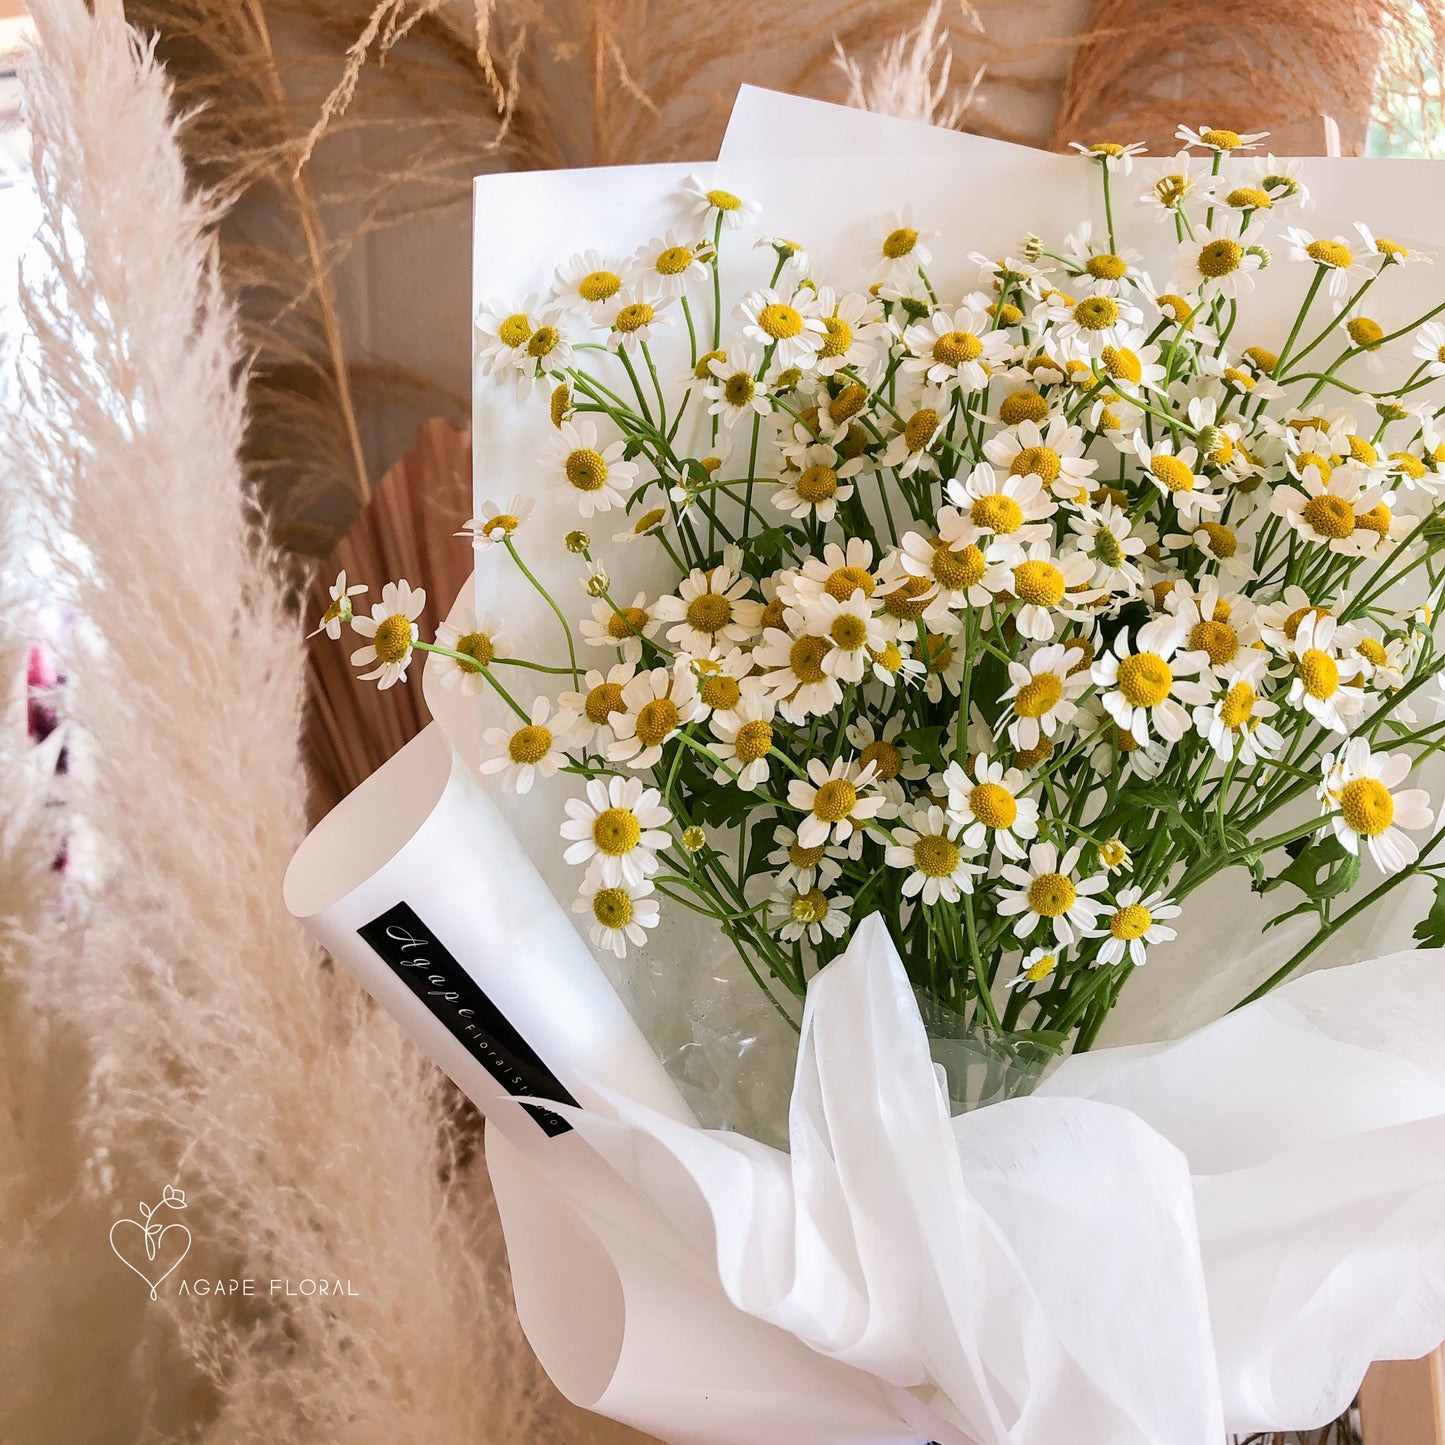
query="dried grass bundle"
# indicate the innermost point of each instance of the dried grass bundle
(221, 1055)
(1143, 67)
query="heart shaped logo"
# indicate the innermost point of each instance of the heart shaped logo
(149, 1248)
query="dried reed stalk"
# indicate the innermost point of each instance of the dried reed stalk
(1143, 67)
(311, 1139)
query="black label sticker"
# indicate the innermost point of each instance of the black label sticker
(423, 963)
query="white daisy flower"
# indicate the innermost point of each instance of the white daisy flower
(1218, 625)
(586, 285)
(812, 914)
(1053, 453)
(1171, 184)
(619, 915)
(1015, 507)
(840, 572)
(1218, 258)
(735, 391)
(903, 245)
(927, 846)
(623, 629)
(885, 750)
(944, 664)
(956, 348)
(1147, 684)
(1136, 924)
(1317, 686)
(1173, 473)
(1279, 621)
(793, 672)
(1234, 724)
(711, 608)
(744, 737)
(1103, 535)
(1104, 271)
(721, 674)
(911, 447)
(618, 828)
(496, 524)
(1334, 255)
(838, 802)
(852, 627)
(852, 323)
(1386, 252)
(788, 323)
(500, 333)
(1115, 158)
(804, 869)
(393, 633)
(589, 711)
(719, 205)
(524, 754)
(476, 637)
(1133, 365)
(1043, 691)
(1360, 789)
(1113, 855)
(1280, 177)
(1089, 326)
(1327, 512)
(655, 705)
(601, 477)
(1225, 142)
(1048, 891)
(1037, 964)
(1429, 346)
(339, 610)
(986, 803)
(816, 482)
(669, 263)
(960, 571)
(1048, 586)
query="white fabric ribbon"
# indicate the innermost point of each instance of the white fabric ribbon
(1162, 1244)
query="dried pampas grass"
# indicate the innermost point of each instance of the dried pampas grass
(220, 1055)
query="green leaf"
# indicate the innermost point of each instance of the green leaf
(928, 744)
(1323, 868)
(1430, 930)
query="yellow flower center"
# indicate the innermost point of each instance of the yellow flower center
(779, 321)
(848, 632)
(1051, 895)
(1319, 672)
(585, 469)
(739, 389)
(721, 692)
(906, 601)
(1218, 639)
(634, 317)
(340, 607)
(709, 611)
(773, 613)
(1171, 190)
(612, 907)
(817, 484)
(479, 647)
(703, 370)
(604, 700)
(529, 744)
(1145, 679)
(1322, 464)
(1367, 805)
(920, 429)
(805, 659)
(393, 638)
(1242, 379)
(616, 831)
(502, 522)
(1025, 405)
(1041, 968)
(810, 907)
(1096, 313)
(656, 720)
(723, 201)
(626, 622)
(1172, 473)
(937, 652)
(1249, 198)
(1376, 520)
(801, 857)
(753, 741)
(1121, 364)
(515, 330)
(835, 800)
(1221, 140)
(1041, 462)
(1009, 314)
(837, 338)
(1032, 757)
(1365, 333)
(560, 404)
(1329, 516)
(1040, 584)
(1106, 148)
(1222, 541)
(1293, 621)
(1220, 257)
(1177, 308)
(955, 348)
(544, 339)
(1412, 466)
(1106, 267)
(993, 805)
(1372, 652)
(936, 855)
(1131, 921)
(888, 657)
(1362, 450)
(648, 520)
(1237, 707)
(1106, 548)
(886, 759)
(997, 513)
(843, 582)
(1262, 360)
(1084, 650)
(1330, 253)
(849, 402)
(897, 244)
(1035, 698)
(959, 570)
(1113, 854)
(674, 260)
(599, 286)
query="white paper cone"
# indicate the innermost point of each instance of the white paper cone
(468, 949)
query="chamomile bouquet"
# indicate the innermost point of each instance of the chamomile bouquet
(1013, 616)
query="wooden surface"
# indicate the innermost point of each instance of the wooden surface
(1402, 1402)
